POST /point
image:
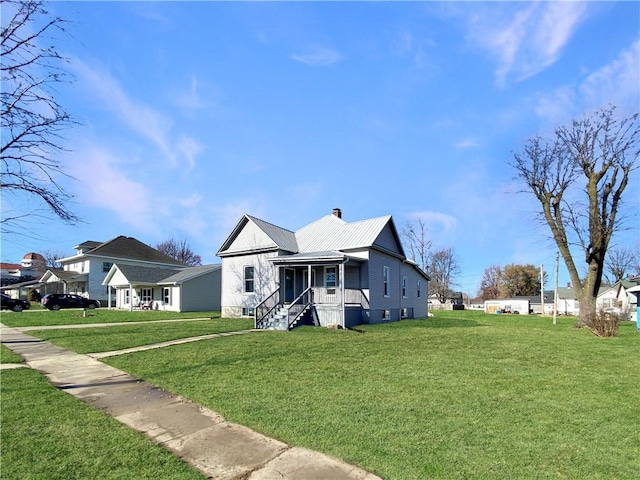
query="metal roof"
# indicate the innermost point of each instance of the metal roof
(333, 233)
(283, 238)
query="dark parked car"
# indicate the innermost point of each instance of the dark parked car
(14, 304)
(56, 301)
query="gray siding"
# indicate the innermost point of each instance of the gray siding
(201, 293)
(387, 240)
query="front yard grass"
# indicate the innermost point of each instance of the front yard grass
(104, 339)
(48, 434)
(461, 395)
(8, 356)
(36, 318)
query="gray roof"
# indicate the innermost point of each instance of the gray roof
(310, 257)
(127, 248)
(185, 274)
(157, 275)
(283, 238)
(328, 233)
(333, 233)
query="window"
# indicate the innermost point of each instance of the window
(330, 277)
(248, 279)
(385, 281)
(166, 295)
(404, 313)
(146, 294)
(127, 297)
(386, 315)
(419, 286)
(404, 287)
(106, 266)
(248, 311)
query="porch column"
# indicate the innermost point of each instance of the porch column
(342, 293)
(309, 286)
(130, 298)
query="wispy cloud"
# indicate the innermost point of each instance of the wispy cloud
(103, 182)
(150, 124)
(467, 143)
(437, 221)
(616, 82)
(318, 56)
(190, 99)
(528, 40)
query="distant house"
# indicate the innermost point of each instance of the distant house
(18, 278)
(524, 304)
(84, 272)
(31, 267)
(330, 272)
(181, 289)
(617, 298)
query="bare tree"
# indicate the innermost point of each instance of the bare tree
(51, 259)
(415, 238)
(32, 119)
(579, 177)
(619, 262)
(491, 283)
(179, 250)
(443, 268)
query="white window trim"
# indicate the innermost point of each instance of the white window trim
(244, 279)
(404, 287)
(335, 276)
(386, 281)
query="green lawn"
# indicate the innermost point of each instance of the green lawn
(461, 395)
(8, 356)
(35, 318)
(104, 339)
(48, 434)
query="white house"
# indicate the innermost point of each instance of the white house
(190, 289)
(329, 272)
(618, 299)
(84, 272)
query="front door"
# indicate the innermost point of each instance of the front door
(289, 285)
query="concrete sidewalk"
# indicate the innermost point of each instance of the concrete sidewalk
(202, 438)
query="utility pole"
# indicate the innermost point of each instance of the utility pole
(542, 288)
(555, 292)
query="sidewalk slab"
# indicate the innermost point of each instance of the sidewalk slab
(201, 437)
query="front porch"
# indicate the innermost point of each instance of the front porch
(324, 290)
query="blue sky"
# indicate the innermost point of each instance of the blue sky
(194, 113)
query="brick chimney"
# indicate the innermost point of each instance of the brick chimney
(337, 212)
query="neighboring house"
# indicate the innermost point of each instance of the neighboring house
(523, 304)
(84, 272)
(190, 289)
(454, 301)
(30, 268)
(329, 272)
(635, 315)
(617, 298)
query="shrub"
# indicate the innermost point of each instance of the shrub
(34, 295)
(605, 324)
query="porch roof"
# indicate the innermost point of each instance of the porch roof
(54, 275)
(314, 258)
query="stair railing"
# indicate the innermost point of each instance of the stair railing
(265, 307)
(298, 307)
